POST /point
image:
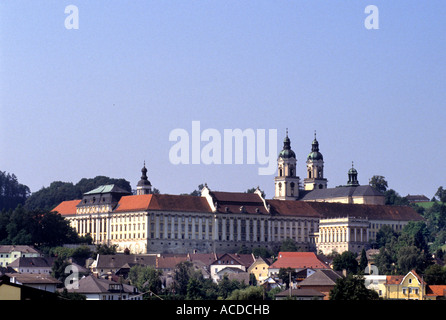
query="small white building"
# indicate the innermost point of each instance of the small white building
(9, 253)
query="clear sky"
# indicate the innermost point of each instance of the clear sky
(103, 98)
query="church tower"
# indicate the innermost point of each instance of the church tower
(144, 186)
(315, 168)
(286, 182)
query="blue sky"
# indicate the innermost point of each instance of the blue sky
(102, 99)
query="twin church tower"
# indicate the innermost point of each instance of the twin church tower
(287, 182)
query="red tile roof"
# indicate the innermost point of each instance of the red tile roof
(168, 202)
(67, 208)
(134, 203)
(436, 290)
(292, 208)
(298, 260)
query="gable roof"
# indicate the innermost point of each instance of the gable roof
(66, 208)
(117, 261)
(298, 260)
(245, 260)
(134, 203)
(33, 278)
(19, 248)
(436, 290)
(399, 279)
(231, 202)
(169, 261)
(92, 284)
(322, 277)
(32, 262)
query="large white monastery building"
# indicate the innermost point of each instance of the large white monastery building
(318, 218)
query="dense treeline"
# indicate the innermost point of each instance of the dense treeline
(12, 193)
(49, 197)
(26, 219)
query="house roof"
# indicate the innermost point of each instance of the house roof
(33, 278)
(369, 211)
(245, 260)
(398, 279)
(436, 290)
(298, 260)
(22, 249)
(322, 277)
(91, 284)
(169, 261)
(66, 208)
(117, 261)
(32, 262)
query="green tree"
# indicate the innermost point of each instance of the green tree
(385, 235)
(363, 262)
(347, 261)
(285, 274)
(249, 293)
(104, 249)
(289, 245)
(58, 191)
(393, 198)
(352, 287)
(435, 275)
(183, 271)
(12, 193)
(441, 194)
(378, 183)
(146, 278)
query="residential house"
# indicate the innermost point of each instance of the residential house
(408, 287)
(43, 282)
(300, 294)
(435, 292)
(102, 289)
(9, 253)
(233, 273)
(296, 261)
(106, 265)
(234, 260)
(259, 269)
(323, 280)
(376, 282)
(39, 265)
(15, 291)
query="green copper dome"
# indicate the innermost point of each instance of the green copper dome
(315, 154)
(286, 152)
